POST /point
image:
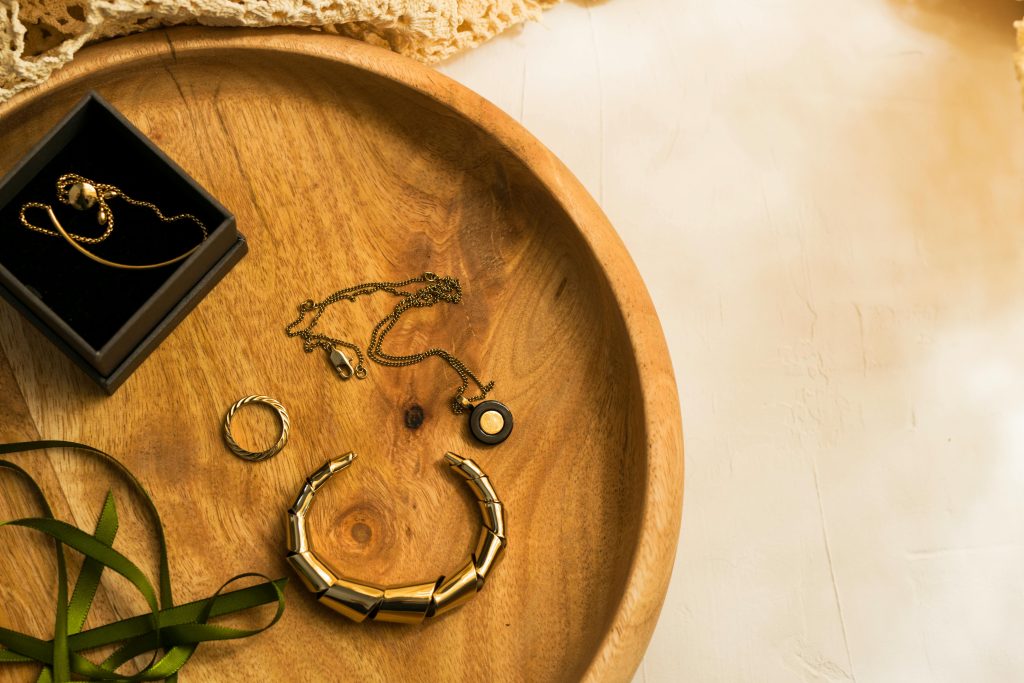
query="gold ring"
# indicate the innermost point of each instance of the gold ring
(273, 450)
(407, 604)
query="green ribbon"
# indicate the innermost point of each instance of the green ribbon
(171, 633)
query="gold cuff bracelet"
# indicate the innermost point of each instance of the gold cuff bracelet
(408, 604)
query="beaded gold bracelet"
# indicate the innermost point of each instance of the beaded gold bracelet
(407, 604)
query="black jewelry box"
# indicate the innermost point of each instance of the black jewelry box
(108, 320)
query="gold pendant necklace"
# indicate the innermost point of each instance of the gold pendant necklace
(490, 421)
(81, 193)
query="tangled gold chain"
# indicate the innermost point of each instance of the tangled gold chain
(104, 192)
(436, 289)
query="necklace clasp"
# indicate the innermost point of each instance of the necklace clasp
(341, 364)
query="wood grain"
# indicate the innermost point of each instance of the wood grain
(344, 163)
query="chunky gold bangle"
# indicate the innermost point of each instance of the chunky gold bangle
(409, 604)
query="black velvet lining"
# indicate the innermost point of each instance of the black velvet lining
(95, 300)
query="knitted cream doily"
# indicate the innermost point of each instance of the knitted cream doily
(39, 36)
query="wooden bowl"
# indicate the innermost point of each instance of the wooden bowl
(345, 163)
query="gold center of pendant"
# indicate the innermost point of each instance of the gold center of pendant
(491, 422)
(82, 196)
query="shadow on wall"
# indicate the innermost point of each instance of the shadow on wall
(919, 144)
(915, 155)
(971, 99)
(962, 22)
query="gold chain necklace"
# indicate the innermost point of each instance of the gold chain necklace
(81, 193)
(490, 421)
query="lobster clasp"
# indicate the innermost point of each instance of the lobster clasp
(341, 364)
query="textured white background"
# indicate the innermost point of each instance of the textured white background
(826, 200)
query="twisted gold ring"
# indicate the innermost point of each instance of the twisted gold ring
(408, 604)
(273, 450)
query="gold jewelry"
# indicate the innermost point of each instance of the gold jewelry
(82, 193)
(408, 604)
(436, 289)
(251, 456)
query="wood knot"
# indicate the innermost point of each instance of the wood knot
(361, 530)
(361, 533)
(414, 416)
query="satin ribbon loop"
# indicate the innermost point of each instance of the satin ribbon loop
(170, 633)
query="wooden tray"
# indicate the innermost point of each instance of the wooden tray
(346, 163)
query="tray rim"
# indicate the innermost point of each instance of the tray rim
(625, 640)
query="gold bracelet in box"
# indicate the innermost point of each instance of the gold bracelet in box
(81, 193)
(408, 604)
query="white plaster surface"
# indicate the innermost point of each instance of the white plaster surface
(826, 200)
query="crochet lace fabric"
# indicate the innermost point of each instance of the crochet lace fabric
(39, 36)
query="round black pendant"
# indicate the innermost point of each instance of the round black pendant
(490, 422)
